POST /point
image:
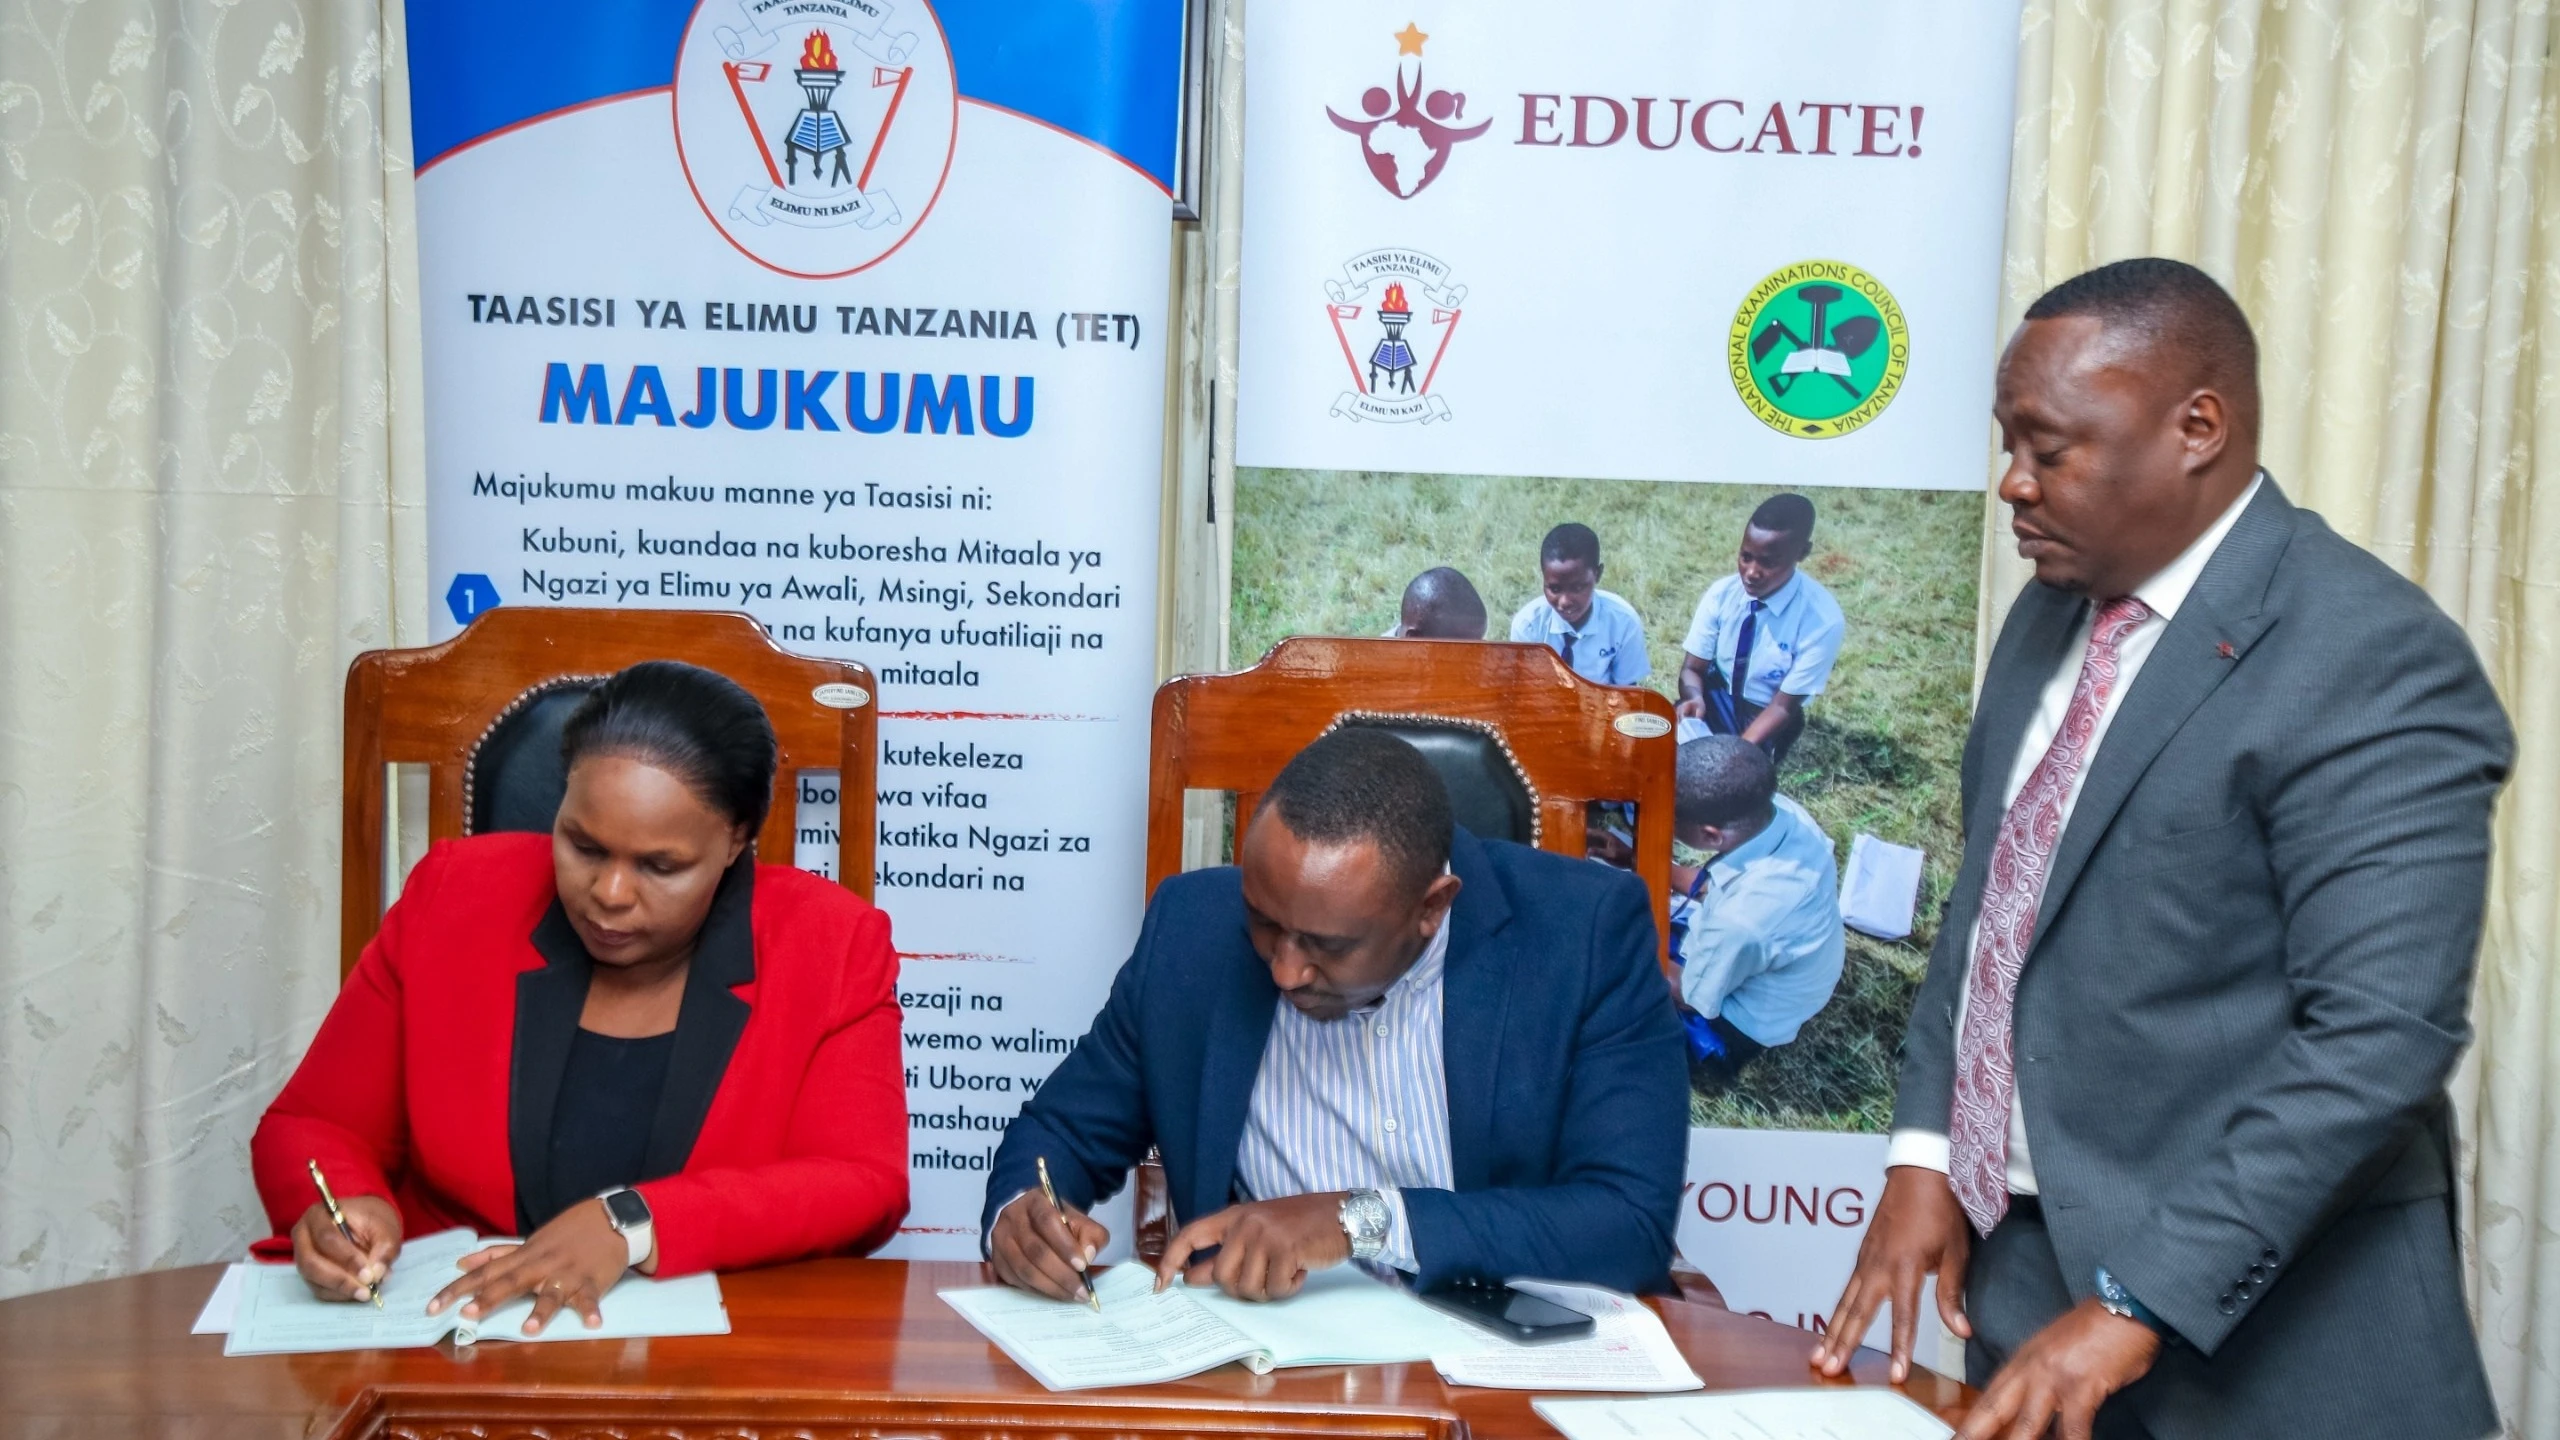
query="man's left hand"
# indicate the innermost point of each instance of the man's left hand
(1265, 1248)
(567, 1264)
(2061, 1376)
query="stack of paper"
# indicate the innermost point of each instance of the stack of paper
(1341, 1317)
(1835, 1413)
(275, 1313)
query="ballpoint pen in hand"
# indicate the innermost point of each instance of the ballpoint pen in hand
(1092, 1296)
(340, 1216)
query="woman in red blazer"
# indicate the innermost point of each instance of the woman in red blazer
(625, 1040)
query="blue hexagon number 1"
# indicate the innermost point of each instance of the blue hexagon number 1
(470, 595)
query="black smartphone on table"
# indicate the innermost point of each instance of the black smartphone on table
(1514, 1315)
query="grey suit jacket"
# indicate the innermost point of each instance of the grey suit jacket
(2249, 982)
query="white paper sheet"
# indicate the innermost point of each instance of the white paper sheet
(1343, 1316)
(1627, 1351)
(270, 1311)
(1835, 1413)
(1139, 1338)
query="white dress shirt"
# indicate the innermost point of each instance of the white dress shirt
(2163, 593)
(1608, 649)
(1358, 1103)
(1761, 945)
(1793, 645)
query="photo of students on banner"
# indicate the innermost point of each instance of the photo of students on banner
(1818, 650)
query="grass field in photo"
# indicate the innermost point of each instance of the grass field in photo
(1329, 552)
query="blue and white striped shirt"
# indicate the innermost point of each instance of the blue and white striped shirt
(1359, 1103)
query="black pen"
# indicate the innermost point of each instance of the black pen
(340, 1216)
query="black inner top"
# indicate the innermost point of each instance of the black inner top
(608, 1102)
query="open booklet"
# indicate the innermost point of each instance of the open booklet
(276, 1313)
(1827, 1413)
(1342, 1316)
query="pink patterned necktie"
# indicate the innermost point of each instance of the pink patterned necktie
(1986, 1075)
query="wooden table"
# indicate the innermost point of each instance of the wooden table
(826, 1350)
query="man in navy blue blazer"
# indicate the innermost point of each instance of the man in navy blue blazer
(1378, 1038)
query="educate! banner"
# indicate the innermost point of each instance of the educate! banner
(1717, 256)
(1635, 240)
(848, 314)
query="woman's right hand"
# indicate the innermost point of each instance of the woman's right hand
(336, 1270)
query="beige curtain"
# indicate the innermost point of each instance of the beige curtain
(2379, 183)
(209, 486)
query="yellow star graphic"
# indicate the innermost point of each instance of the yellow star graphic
(1409, 39)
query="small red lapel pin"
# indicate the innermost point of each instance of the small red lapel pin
(2225, 651)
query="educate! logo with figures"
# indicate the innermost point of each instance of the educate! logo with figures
(1818, 349)
(816, 134)
(1406, 137)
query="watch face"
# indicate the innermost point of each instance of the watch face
(627, 1208)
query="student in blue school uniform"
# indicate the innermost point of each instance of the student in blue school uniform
(1597, 633)
(1755, 927)
(1764, 639)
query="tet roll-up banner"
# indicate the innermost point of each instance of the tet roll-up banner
(1497, 252)
(848, 314)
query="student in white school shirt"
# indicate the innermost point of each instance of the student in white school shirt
(1765, 637)
(1599, 634)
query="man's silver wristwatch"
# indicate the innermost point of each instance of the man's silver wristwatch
(1365, 1220)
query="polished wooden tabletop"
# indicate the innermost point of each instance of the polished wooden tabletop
(822, 1349)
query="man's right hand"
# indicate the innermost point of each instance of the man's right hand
(1692, 708)
(1919, 1230)
(1043, 1248)
(336, 1270)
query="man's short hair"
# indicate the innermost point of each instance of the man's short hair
(1446, 604)
(1723, 780)
(2176, 310)
(1360, 783)
(1788, 514)
(1571, 541)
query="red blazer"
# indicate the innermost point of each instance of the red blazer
(431, 1081)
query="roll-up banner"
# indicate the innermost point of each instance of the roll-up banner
(1669, 326)
(848, 314)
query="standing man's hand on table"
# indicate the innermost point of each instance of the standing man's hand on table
(1044, 1248)
(1265, 1247)
(1919, 1230)
(336, 1270)
(2062, 1375)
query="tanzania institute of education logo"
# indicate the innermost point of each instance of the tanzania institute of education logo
(1406, 138)
(1388, 303)
(815, 133)
(1818, 349)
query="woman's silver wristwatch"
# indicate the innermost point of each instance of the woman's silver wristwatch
(1365, 1220)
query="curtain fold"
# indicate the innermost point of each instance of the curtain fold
(209, 501)
(2379, 184)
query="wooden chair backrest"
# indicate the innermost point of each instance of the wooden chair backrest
(431, 705)
(1576, 741)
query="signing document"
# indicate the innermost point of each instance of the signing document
(1343, 1316)
(276, 1313)
(1837, 1413)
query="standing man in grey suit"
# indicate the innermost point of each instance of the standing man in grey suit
(2172, 1116)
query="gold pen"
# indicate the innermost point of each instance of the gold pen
(340, 1216)
(1092, 1296)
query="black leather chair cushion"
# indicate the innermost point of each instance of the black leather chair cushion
(517, 777)
(1485, 793)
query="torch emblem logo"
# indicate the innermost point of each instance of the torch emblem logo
(1395, 385)
(815, 133)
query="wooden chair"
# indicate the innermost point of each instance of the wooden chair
(483, 711)
(1570, 742)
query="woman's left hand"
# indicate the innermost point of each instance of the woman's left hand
(567, 1264)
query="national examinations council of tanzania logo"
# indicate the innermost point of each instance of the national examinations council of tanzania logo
(815, 133)
(1818, 349)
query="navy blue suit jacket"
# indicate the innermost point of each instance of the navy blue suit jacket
(1568, 1087)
